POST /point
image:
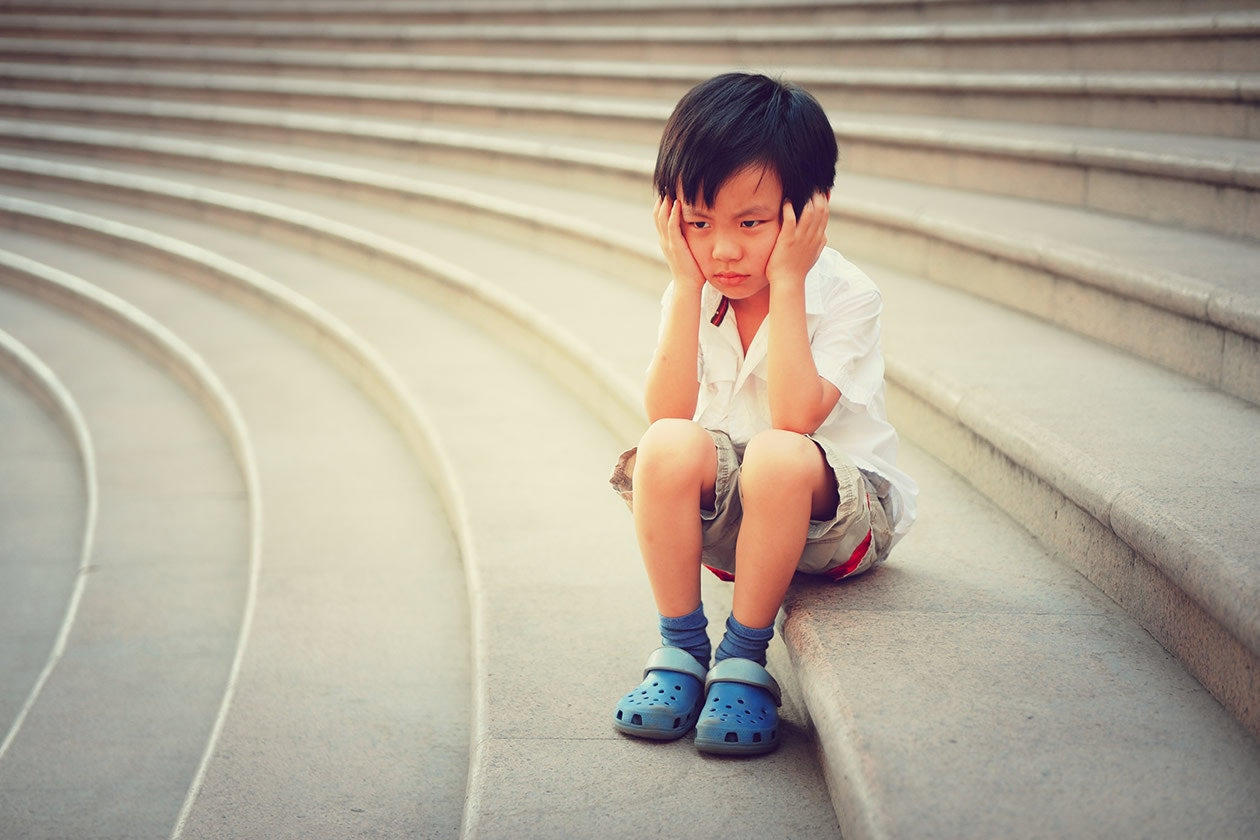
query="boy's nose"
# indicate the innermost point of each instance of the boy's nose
(725, 248)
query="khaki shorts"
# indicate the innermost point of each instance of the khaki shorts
(856, 538)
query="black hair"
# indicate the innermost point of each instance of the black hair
(736, 120)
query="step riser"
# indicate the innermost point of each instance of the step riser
(1202, 44)
(1178, 202)
(1222, 51)
(1187, 344)
(611, 14)
(1232, 113)
(1202, 657)
(1225, 203)
(132, 327)
(1193, 346)
(615, 181)
(515, 324)
(1223, 664)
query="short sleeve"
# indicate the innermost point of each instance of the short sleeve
(846, 342)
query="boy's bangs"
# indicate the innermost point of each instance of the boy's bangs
(736, 121)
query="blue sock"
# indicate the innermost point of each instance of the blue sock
(689, 632)
(745, 642)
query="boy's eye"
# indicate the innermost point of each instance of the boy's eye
(751, 223)
(699, 225)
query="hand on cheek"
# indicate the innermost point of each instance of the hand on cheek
(800, 241)
(682, 263)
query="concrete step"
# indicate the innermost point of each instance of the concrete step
(345, 589)
(1187, 301)
(609, 12)
(1217, 602)
(48, 509)
(1134, 693)
(1221, 42)
(1191, 181)
(1097, 471)
(511, 492)
(147, 636)
(878, 811)
(1219, 105)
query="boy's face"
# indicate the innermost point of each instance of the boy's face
(732, 240)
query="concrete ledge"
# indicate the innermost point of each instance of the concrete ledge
(327, 334)
(1006, 432)
(602, 11)
(186, 366)
(20, 364)
(967, 154)
(1218, 105)
(1223, 41)
(1214, 329)
(1200, 604)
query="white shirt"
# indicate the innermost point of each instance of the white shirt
(842, 308)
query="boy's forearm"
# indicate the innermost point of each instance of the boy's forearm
(799, 399)
(672, 387)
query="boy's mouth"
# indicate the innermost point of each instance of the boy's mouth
(728, 277)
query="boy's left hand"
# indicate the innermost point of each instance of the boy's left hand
(800, 242)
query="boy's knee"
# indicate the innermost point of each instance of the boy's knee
(679, 447)
(780, 458)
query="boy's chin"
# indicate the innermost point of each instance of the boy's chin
(741, 290)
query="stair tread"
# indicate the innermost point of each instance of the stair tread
(1041, 378)
(154, 631)
(999, 582)
(333, 582)
(43, 517)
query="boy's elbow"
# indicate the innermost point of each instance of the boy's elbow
(796, 425)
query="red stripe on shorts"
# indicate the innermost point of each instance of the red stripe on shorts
(855, 560)
(722, 574)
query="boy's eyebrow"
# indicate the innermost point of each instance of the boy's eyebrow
(757, 210)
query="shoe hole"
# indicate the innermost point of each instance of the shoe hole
(756, 737)
(637, 720)
(677, 722)
(732, 738)
(619, 714)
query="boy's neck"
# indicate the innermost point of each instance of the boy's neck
(749, 315)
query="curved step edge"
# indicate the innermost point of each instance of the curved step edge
(549, 345)
(168, 350)
(354, 356)
(1214, 590)
(20, 362)
(1215, 331)
(1207, 614)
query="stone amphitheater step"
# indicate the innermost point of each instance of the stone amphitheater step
(1213, 104)
(1192, 181)
(1182, 299)
(525, 567)
(865, 746)
(334, 648)
(1224, 41)
(1084, 485)
(861, 771)
(677, 12)
(137, 674)
(48, 505)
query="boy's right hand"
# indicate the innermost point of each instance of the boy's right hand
(682, 264)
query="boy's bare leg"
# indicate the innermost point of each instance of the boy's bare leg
(675, 474)
(786, 481)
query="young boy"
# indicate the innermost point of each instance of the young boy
(769, 451)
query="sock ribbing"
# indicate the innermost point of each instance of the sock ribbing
(744, 642)
(689, 632)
